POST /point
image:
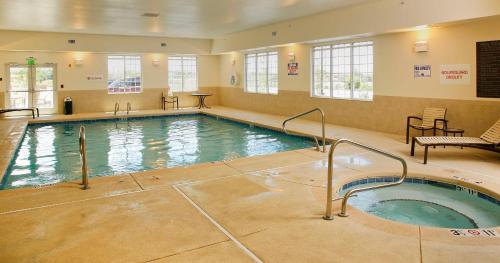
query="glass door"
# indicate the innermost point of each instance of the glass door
(44, 87)
(32, 86)
(18, 95)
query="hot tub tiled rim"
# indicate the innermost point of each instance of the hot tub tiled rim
(485, 188)
(492, 197)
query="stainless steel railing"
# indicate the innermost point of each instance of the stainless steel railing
(117, 107)
(322, 125)
(83, 156)
(129, 107)
(328, 213)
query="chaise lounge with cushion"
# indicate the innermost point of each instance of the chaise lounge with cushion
(490, 140)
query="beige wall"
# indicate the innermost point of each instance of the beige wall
(384, 113)
(397, 93)
(394, 59)
(93, 93)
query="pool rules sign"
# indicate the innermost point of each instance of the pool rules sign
(455, 74)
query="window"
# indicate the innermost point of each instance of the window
(261, 72)
(183, 74)
(343, 71)
(124, 74)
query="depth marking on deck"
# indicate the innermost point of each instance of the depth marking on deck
(220, 227)
(475, 232)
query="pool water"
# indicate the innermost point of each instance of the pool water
(49, 153)
(429, 205)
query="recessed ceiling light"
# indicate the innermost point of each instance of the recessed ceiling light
(151, 15)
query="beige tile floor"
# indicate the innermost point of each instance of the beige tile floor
(267, 208)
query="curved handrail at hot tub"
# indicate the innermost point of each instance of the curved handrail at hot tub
(343, 213)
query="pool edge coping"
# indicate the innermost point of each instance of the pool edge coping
(28, 122)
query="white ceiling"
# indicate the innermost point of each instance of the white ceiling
(179, 18)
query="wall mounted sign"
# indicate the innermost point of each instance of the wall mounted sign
(488, 69)
(95, 77)
(474, 232)
(422, 71)
(455, 74)
(31, 61)
(293, 69)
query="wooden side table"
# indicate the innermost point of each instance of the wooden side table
(201, 98)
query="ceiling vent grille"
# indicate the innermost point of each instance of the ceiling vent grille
(151, 15)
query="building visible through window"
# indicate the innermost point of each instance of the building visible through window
(343, 71)
(261, 72)
(124, 74)
(183, 73)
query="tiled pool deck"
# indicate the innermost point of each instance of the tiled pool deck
(265, 208)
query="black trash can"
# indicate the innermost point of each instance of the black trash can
(68, 106)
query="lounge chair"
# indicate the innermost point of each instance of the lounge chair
(490, 140)
(169, 98)
(432, 119)
(23, 109)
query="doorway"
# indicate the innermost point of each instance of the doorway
(32, 86)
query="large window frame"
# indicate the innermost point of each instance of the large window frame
(346, 71)
(184, 72)
(126, 85)
(269, 68)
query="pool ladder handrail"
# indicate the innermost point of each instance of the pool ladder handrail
(117, 107)
(83, 156)
(322, 126)
(129, 107)
(343, 213)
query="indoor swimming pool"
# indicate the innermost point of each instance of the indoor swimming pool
(49, 153)
(428, 203)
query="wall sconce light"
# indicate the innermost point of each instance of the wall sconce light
(78, 61)
(421, 46)
(422, 27)
(156, 62)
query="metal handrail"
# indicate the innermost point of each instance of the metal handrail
(328, 213)
(322, 125)
(117, 107)
(129, 107)
(83, 156)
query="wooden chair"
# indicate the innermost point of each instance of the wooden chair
(490, 140)
(432, 119)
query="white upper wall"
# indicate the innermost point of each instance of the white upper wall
(179, 18)
(16, 46)
(373, 17)
(74, 77)
(43, 41)
(394, 58)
